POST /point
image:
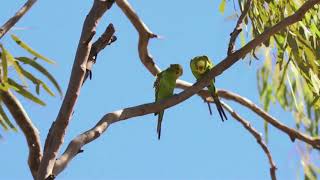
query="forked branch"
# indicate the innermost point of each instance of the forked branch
(105, 39)
(56, 134)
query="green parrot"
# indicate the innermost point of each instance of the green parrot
(164, 86)
(200, 65)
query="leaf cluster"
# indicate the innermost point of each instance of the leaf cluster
(11, 66)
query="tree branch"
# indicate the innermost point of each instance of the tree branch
(55, 139)
(292, 133)
(75, 145)
(13, 20)
(90, 135)
(226, 63)
(256, 135)
(105, 39)
(144, 36)
(30, 132)
(238, 28)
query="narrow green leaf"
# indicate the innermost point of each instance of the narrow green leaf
(25, 93)
(268, 98)
(30, 50)
(36, 81)
(292, 92)
(41, 69)
(222, 6)
(266, 132)
(315, 82)
(28, 75)
(6, 119)
(38, 89)
(315, 30)
(17, 68)
(3, 124)
(4, 63)
(242, 39)
(309, 173)
(46, 88)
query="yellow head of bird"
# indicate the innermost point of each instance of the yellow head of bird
(201, 66)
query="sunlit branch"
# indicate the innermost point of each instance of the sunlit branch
(30, 132)
(58, 130)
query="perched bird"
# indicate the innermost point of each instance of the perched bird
(200, 65)
(164, 86)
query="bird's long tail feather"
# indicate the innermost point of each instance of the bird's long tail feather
(160, 116)
(219, 107)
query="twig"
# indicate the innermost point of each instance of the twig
(105, 39)
(292, 133)
(13, 20)
(30, 132)
(77, 75)
(238, 28)
(256, 135)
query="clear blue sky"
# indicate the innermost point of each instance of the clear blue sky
(194, 145)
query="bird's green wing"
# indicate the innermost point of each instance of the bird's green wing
(156, 85)
(164, 87)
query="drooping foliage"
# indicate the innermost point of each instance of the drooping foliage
(290, 73)
(16, 73)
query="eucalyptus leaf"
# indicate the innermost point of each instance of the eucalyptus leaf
(30, 50)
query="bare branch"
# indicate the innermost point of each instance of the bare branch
(144, 36)
(30, 132)
(105, 39)
(238, 28)
(13, 20)
(58, 130)
(226, 63)
(76, 144)
(293, 134)
(256, 135)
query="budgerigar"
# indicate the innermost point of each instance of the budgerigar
(164, 86)
(200, 65)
